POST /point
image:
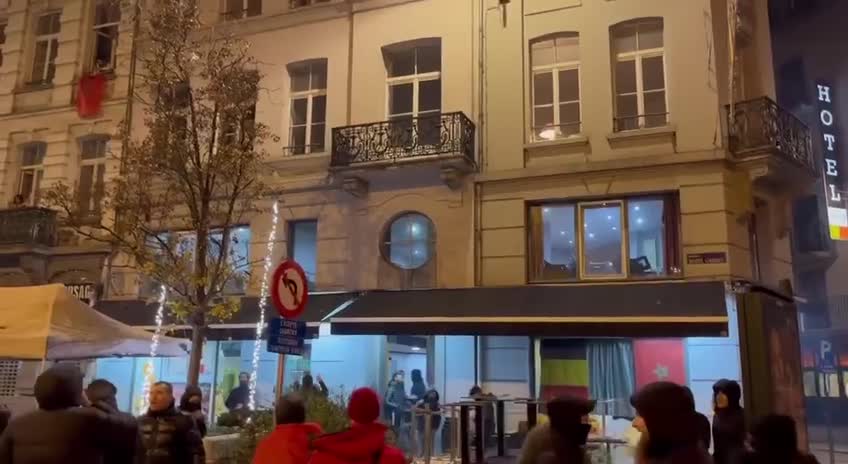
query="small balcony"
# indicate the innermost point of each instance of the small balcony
(760, 128)
(28, 226)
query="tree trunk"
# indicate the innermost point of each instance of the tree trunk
(198, 336)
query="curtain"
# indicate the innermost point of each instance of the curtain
(612, 377)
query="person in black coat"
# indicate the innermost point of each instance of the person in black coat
(774, 440)
(419, 388)
(168, 436)
(61, 431)
(191, 404)
(102, 395)
(703, 423)
(729, 431)
(239, 396)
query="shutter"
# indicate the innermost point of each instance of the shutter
(9, 371)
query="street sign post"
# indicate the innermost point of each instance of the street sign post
(289, 289)
(286, 336)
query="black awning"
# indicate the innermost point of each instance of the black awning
(665, 309)
(140, 313)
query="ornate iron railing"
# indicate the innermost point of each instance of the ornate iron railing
(760, 125)
(28, 226)
(404, 139)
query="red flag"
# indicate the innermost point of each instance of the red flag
(659, 360)
(90, 95)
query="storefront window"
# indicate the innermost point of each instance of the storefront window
(634, 238)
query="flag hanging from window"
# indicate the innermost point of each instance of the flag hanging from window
(90, 95)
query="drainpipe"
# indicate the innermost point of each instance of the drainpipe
(349, 63)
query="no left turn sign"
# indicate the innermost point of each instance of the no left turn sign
(289, 289)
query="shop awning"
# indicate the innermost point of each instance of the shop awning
(669, 309)
(242, 326)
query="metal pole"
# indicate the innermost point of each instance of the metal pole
(830, 437)
(501, 435)
(428, 434)
(465, 455)
(479, 434)
(281, 377)
(532, 414)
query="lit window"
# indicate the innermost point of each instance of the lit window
(414, 92)
(92, 173)
(2, 41)
(639, 80)
(32, 171)
(634, 238)
(829, 384)
(303, 247)
(237, 9)
(308, 107)
(107, 18)
(556, 86)
(409, 241)
(46, 48)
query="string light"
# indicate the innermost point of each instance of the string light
(154, 346)
(263, 297)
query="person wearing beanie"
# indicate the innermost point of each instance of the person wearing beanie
(364, 442)
(62, 430)
(563, 438)
(729, 428)
(289, 442)
(666, 415)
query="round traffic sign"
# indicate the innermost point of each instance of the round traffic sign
(289, 289)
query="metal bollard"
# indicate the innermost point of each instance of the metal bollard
(479, 434)
(464, 452)
(501, 425)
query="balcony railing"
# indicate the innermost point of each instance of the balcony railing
(408, 138)
(28, 226)
(760, 126)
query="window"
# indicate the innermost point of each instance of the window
(308, 107)
(92, 172)
(238, 132)
(626, 238)
(237, 9)
(2, 41)
(409, 241)
(302, 3)
(46, 48)
(639, 80)
(414, 92)
(555, 70)
(303, 247)
(32, 171)
(107, 18)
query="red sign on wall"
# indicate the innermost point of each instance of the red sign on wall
(657, 360)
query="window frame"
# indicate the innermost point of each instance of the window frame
(555, 68)
(36, 170)
(3, 26)
(310, 94)
(672, 252)
(244, 12)
(386, 242)
(52, 40)
(638, 56)
(415, 79)
(96, 28)
(293, 4)
(98, 167)
(291, 244)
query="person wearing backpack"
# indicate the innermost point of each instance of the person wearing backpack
(364, 442)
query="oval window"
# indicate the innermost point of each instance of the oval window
(409, 241)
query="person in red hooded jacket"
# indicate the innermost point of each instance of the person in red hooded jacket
(289, 442)
(364, 442)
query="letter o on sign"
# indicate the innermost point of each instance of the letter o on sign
(289, 289)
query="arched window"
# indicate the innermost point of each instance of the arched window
(555, 71)
(409, 241)
(639, 74)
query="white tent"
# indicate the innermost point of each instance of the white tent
(47, 322)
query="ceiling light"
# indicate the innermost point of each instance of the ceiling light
(609, 218)
(591, 235)
(562, 232)
(571, 242)
(614, 228)
(636, 208)
(546, 210)
(416, 348)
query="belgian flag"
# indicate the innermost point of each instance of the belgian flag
(565, 369)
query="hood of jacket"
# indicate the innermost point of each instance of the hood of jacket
(361, 442)
(731, 390)
(191, 391)
(59, 387)
(669, 417)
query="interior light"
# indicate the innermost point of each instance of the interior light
(571, 242)
(636, 208)
(591, 235)
(639, 220)
(609, 218)
(546, 210)
(562, 232)
(614, 228)
(416, 348)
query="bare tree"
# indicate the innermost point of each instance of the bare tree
(190, 174)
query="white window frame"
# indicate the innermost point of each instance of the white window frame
(96, 165)
(36, 170)
(51, 39)
(310, 94)
(555, 69)
(624, 234)
(637, 56)
(415, 79)
(96, 33)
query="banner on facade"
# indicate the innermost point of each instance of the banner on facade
(837, 211)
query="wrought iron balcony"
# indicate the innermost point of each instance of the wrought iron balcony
(28, 226)
(446, 135)
(761, 127)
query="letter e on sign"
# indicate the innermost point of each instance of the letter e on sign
(289, 289)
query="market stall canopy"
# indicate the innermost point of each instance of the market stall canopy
(47, 322)
(665, 309)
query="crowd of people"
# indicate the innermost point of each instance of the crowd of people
(86, 426)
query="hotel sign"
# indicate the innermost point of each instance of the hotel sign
(837, 212)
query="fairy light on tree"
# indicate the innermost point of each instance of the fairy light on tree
(149, 375)
(263, 298)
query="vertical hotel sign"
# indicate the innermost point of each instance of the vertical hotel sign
(837, 213)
